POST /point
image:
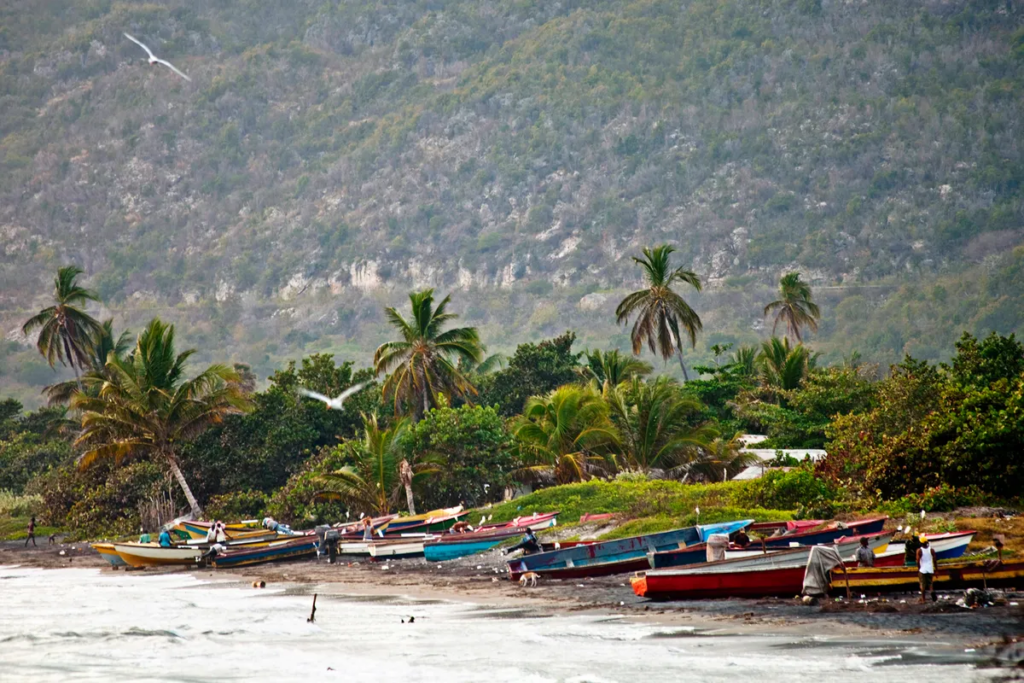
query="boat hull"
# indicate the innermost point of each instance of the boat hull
(613, 557)
(396, 551)
(955, 576)
(107, 552)
(291, 549)
(756, 583)
(454, 546)
(861, 527)
(152, 555)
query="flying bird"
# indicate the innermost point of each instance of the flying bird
(153, 59)
(335, 403)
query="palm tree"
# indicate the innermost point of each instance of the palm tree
(145, 406)
(744, 361)
(722, 460)
(101, 345)
(660, 312)
(374, 482)
(654, 424)
(64, 328)
(568, 432)
(423, 362)
(781, 366)
(794, 306)
(611, 368)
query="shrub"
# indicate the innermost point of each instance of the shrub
(786, 490)
(941, 498)
(237, 506)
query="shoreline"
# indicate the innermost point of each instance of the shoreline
(482, 580)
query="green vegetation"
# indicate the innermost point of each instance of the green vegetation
(312, 171)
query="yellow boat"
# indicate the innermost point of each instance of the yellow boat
(107, 552)
(153, 555)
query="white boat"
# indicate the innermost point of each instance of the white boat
(397, 550)
(946, 546)
(153, 555)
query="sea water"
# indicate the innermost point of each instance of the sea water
(88, 624)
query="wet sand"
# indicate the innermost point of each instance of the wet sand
(482, 579)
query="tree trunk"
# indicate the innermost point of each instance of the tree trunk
(679, 354)
(405, 474)
(71, 362)
(197, 511)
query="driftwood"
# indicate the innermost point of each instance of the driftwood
(312, 614)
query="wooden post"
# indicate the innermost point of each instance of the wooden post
(312, 614)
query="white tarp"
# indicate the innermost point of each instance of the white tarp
(717, 544)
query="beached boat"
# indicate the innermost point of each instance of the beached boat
(107, 552)
(397, 549)
(952, 576)
(424, 524)
(537, 521)
(614, 557)
(773, 573)
(452, 546)
(948, 546)
(153, 555)
(287, 549)
(197, 531)
(697, 554)
(860, 527)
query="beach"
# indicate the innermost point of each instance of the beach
(939, 635)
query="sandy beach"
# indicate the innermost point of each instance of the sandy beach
(482, 579)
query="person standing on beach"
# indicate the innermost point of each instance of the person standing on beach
(926, 569)
(31, 532)
(144, 535)
(865, 556)
(367, 529)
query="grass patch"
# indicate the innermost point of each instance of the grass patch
(16, 529)
(658, 502)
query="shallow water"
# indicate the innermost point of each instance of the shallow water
(86, 624)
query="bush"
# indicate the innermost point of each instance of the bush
(786, 490)
(237, 506)
(15, 505)
(296, 502)
(941, 498)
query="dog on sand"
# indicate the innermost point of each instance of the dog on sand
(529, 579)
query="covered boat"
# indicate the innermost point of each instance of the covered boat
(287, 549)
(616, 556)
(154, 555)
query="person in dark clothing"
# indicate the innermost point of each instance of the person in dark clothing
(528, 545)
(910, 550)
(741, 539)
(31, 532)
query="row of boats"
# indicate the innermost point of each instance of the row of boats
(687, 563)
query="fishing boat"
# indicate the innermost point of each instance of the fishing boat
(154, 555)
(107, 552)
(452, 546)
(537, 521)
(431, 522)
(827, 534)
(397, 549)
(697, 554)
(286, 549)
(761, 575)
(197, 531)
(952, 576)
(949, 546)
(614, 557)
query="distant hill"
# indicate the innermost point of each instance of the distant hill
(329, 156)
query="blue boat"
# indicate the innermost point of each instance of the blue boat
(615, 557)
(290, 549)
(452, 546)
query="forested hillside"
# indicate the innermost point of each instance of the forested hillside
(327, 157)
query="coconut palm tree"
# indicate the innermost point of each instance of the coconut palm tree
(65, 328)
(655, 425)
(794, 306)
(721, 460)
(610, 368)
(660, 311)
(567, 432)
(744, 361)
(101, 345)
(375, 480)
(145, 406)
(423, 363)
(783, 367)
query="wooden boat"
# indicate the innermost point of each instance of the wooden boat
(953, 576)
(949, 546)
(423, 524)
(773, 573)
(828, 534)
(198, 530)
(107, 552)
(397, 549)
(287, 549)
(790, 526)
(153, 555)
(537, 521)
(452, 546)
(697, 554)
(613, 557)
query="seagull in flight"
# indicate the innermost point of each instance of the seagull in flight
(153, 59)
(334, 403)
